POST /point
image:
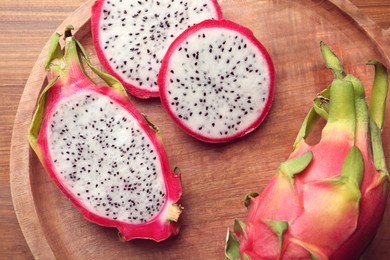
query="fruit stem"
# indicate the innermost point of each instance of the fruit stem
(332, 62)
(174, 212)
(67, 66)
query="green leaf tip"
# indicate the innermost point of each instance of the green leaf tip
(55, 51)
(151, 124)
(248, 199)
(68, 31)
(353, 168)
(331, 61)
(295, 165)
(69, 27)
(232, 246)
(239, 227)
(176, 171)
(278, 227)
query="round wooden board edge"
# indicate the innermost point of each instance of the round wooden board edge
(368, 26)
(20, 151)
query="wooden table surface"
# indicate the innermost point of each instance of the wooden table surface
(25, 26)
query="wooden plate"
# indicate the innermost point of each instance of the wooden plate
(215, 177)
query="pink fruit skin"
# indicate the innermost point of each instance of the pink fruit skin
(373, 205)
(158, 228)
(356, 237)
(325, 218)
(133, 90)
(165, 63)
(263, 207)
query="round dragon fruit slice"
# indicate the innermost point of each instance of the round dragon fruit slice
(101, 152)
(131, 37)
(217, 81)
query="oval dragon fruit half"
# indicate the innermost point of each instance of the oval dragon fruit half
(101, 152)
(327, 200)
(131, 37)
(217, 81)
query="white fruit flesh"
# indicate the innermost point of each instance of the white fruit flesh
(102, 155)
(217, 82)
(135, 35)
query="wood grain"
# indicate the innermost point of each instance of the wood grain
(27, 25)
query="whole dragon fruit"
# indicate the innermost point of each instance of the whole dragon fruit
(131, 36)
(327, 200)
(101, 152)
(217, 81)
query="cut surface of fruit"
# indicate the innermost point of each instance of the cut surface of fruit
(110, 164)
(101, 152)
(217, 81)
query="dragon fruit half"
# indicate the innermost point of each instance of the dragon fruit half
(327, 200)
(101, 152)
(217, 81)
(131, 36)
